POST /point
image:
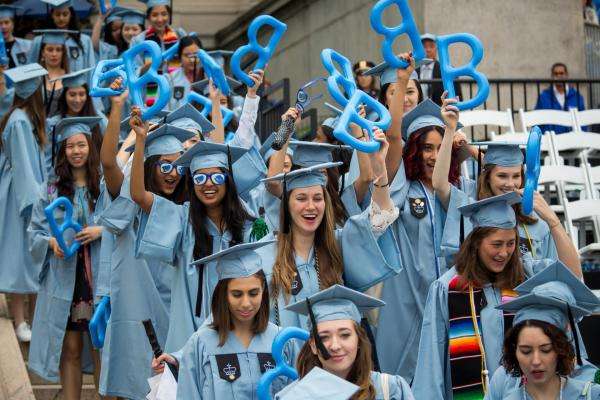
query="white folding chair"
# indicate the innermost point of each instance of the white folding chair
(585, 118)
(581, 210)
(488, 117)
(546, 117)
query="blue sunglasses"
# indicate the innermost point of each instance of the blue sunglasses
(166, 168)
(218, 178)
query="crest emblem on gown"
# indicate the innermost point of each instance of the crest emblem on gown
(266, 362)
(22, 58)
(178, 92)
(74, 52)
(229, 366)
(296, 284)
(524, 246)
(418, 208)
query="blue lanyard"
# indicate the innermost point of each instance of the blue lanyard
(428, 203)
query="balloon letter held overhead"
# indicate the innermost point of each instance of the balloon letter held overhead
(194, 97)
(137, 84)
(449, 73)
(532, 168)
(407, 26)
(264, 53)
(214, 71)
(103, 9)
(281, 367)
(107, 71)
(68, 223)
(345, 79)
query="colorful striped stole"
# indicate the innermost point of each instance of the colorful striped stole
(169, 39)
(466, 359)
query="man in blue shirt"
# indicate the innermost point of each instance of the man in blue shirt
(559, 96)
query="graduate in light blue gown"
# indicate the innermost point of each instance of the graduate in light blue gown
(80, 51)
(311, 254)
(60, 340)
(107, 34)
(226, 358)
(502, 172)
(17, 49)
(182, 78)
(22, 174)
(543, 338)
(73, 101)
(339, 344)
(455, 356)
(211, 220)
(318, 383)
(137, 291)
(53, 57)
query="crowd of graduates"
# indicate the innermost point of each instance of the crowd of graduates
(412, 279)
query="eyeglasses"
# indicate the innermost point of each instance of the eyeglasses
(166, 168)
(218, 178)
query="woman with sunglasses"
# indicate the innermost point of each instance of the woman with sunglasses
(211, 220)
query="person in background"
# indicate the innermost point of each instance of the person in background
(366, 83)
(431, 70)
(106, 35)
(181, 79)
(559, 96)
(53, 57)
(16, 48)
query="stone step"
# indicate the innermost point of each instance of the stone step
(53, 392)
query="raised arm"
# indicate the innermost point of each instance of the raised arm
(218, 135)
(381, 183)
(396, 107)
(361, 185)
(139, 194)
(245, 136)
(439, 180)
(278, 159)
(97, 31)
(108, 152)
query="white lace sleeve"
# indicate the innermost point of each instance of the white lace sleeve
(244, 136)
(381, 219)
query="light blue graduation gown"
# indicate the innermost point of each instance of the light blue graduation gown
(79, 57)
(369, 258)
(180, 88)
(397, 386)
(405, 294)
(572, 390)
(126, 355)
(106, 51)
(22, 174)
(536, 235)
(20, 51)
(205, 369)
(57, 283)
(503, 384)
(166, 235)
(432, 375)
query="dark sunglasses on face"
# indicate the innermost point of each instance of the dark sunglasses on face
(217, 178)
(166, 168)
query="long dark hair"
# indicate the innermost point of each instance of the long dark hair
(108, 37)
(222, 321)
(333, 188)
(234, 216)
(178, 196)
(63, 170)
(34, 108)
(88, 110)
(64, 61)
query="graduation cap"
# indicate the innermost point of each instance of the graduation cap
(426, 113)
(202, 86)
(26, 78)
(266, 151)
(504, 154)
(132, 17)
(114, 14)
(220, 56)
(556, 296)
(387, 74)
(318, 384)
(493, 212)
(188, 117)
(8, 11)
(74, 79)
(72, 126)
(54, 36)
(154, 3)
(300, 178)
(167, 139)
(210, 155)
(333, 304)
(59, 3)
(307, 154)
(239, 261)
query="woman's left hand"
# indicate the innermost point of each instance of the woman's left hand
(449, 111)
(135, 122)
(378, 157)
(460, 140)
(543, 209)
(257, 77)
(404, 74)
(213, 91)
(89, 234)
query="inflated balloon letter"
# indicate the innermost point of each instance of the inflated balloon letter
(99, 322)
(350, 115)
(103, 9)
(3, 57)
(281, 367)
(449, 73)
(137, 84)
(408, 26)
(107, 71)
(68, 223)
(214, 71)
(264, 53)
(194, 97)
(345, 79)
(532, 168)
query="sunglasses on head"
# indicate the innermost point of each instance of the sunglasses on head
(217, 178)
(166, 168)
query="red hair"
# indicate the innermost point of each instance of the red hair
(413, 156)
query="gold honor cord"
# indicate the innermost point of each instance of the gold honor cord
(529, 240)
(484, 371)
